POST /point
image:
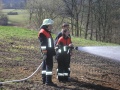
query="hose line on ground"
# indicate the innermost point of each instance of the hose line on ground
(23, 78)
(28, 76)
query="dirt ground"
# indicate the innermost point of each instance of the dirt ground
(20, 58)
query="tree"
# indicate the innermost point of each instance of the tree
(40, 9)
(72, 9)
(104, 18)
(90, 19)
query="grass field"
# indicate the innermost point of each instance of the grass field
(8, 32)
(22, 16)
(20, 56)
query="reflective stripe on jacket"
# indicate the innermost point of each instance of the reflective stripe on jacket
(64, 41)
(63, 45)
(46, 41)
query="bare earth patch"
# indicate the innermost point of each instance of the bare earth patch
(20, 58)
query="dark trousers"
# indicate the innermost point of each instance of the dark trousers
(69, 66)
(47, 68)
(63, 65)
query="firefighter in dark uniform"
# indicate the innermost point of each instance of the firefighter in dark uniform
(64, 27)
(47, 49)
(63, 47)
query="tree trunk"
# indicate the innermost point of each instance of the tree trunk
(88, 17)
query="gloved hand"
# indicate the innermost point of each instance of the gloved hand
(71, 45)
(76, 48)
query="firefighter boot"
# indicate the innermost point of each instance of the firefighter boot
(43, 78)
(49, 81)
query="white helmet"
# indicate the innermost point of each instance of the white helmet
(47, 22)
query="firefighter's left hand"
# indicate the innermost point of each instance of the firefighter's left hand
(71, 45)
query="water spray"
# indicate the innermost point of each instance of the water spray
(111, 52)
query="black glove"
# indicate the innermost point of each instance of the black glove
(76, 48)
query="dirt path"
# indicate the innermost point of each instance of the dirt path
(20, 58)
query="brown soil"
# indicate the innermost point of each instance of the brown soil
(20, 58)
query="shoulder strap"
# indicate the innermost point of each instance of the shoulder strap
(44, 32)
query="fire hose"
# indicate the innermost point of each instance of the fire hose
(23, 78)
(85, 49)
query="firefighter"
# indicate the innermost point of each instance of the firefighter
(47, 49)
(65, 25)
(63, 50)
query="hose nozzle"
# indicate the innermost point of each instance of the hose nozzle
(76, 48)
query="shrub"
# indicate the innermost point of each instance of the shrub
(3, 20)
(12, 13)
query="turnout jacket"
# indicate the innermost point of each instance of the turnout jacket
(62, 47)
(58, 36)
(64, 41)
(46, 41)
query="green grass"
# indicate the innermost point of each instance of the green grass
(22, 16)
(13, 10)
(22, 33)
(7, 32)
(18, 18)
(83, 42)
(5, 11)
(1, 69)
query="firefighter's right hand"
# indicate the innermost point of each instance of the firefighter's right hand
(71, 45)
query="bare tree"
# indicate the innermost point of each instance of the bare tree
(88, 18)
(104, 17)
(73, 8)
(40, 9)
(91, 19)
